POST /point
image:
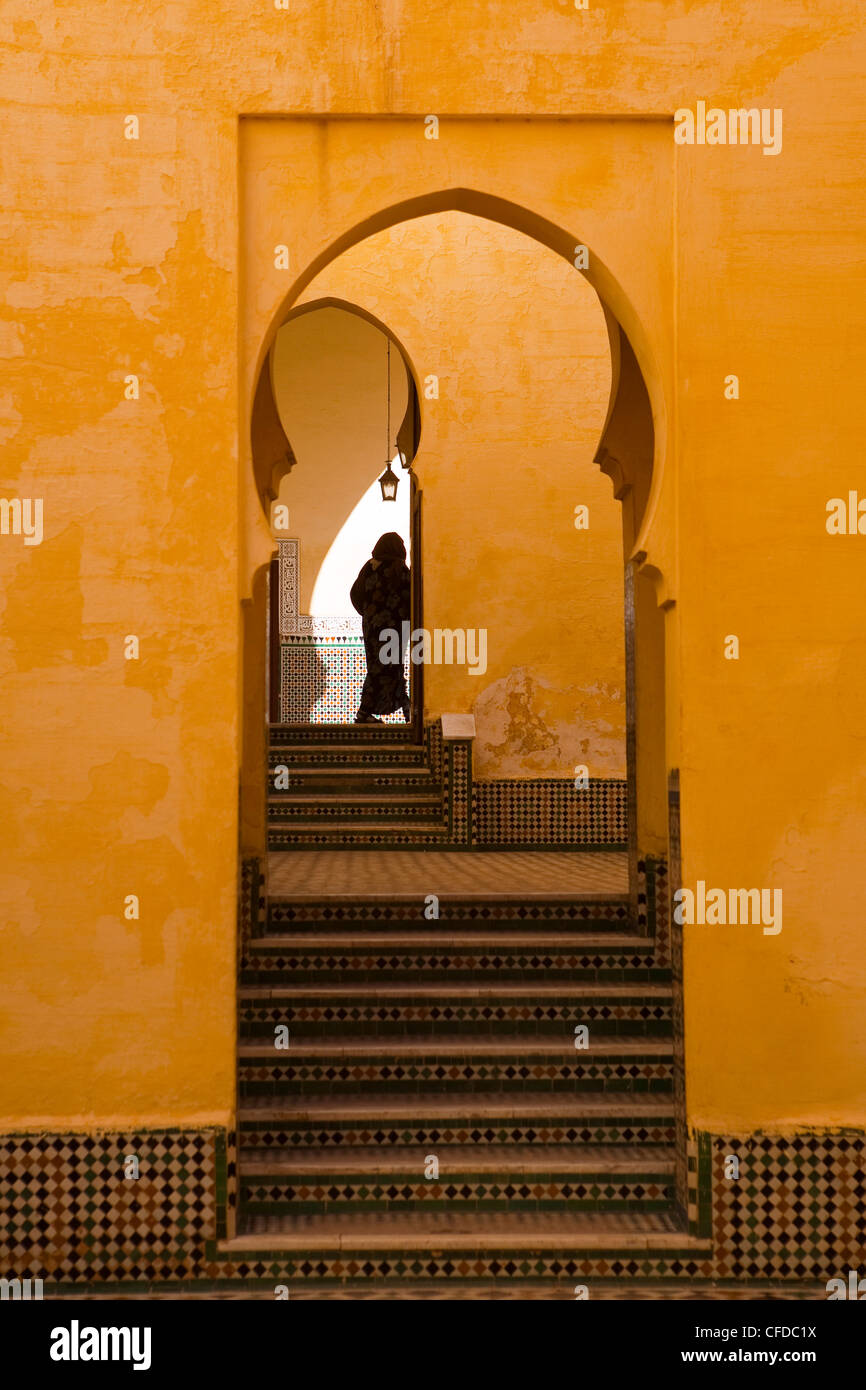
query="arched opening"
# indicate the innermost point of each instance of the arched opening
(498, 770)
(629, 452)
(346, 395)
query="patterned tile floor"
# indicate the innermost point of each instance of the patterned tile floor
(384, 873)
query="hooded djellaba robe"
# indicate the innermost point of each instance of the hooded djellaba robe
(382, 596)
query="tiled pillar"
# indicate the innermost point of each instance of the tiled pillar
(687, 1153)
(458, 731)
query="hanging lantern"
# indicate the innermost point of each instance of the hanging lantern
(389, 480)
(389, 483)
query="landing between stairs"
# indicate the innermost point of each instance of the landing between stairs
(371, 873)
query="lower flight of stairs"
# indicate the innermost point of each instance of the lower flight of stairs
(343, 786)
(431, 1105)
(415, 1099)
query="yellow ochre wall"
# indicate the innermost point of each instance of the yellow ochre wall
(156, 257)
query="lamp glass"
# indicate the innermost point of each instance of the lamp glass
(388, 483)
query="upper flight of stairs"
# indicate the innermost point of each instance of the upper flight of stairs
(351, 785)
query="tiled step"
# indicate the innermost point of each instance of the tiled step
(637, 950)
(364, 752)
(510, 1160)
(328, 781)
(358, 759)
(458, 913)
(348, 808)
(280, 733)
(432, 1009)
(454, 1065)
(342, 958)
(348, 834)
(343, 1122)
(616, 1233)
(333, 764)
(501, 1178)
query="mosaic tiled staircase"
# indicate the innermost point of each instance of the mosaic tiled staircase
(352, 786)
(453, 1040)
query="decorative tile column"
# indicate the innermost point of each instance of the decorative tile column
(458, 731)
(691, 1152)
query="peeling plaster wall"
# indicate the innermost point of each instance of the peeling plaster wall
(122, 256)
(517, 341)
(113, 768)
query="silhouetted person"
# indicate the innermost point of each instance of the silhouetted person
(381, 595)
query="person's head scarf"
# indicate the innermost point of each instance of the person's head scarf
(389, 547)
